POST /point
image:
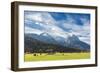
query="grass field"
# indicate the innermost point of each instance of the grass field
(57, 56)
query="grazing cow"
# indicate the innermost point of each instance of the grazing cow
(34, 54)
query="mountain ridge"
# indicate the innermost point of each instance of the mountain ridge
(71, 41)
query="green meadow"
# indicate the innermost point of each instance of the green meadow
(56, 56)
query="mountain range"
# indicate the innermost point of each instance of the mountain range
(72, 42)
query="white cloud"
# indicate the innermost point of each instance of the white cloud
(79, 30)
(31, 30)
(45, 20)
(35, 17)
(43, 17)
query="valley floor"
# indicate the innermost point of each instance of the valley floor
(56, 56)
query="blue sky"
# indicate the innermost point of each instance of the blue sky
(75, 16)
(62, 23)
